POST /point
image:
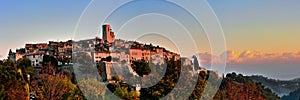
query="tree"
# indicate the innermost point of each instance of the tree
(166, 84)
(109, 58)
(12, 84)
(141, 68)
(64, 59)
(74, 95)
(49, 69)
(102, 70)
(196, 63)
(118, 78)
(50, 59)
(1, 62)
(25, 65)
(123, 93)
(9, 63)
(52, 87)
(239, 87)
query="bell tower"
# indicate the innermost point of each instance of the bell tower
(108, 34)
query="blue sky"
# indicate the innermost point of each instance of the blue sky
(263, 25)
(37, 21)
(267, 22)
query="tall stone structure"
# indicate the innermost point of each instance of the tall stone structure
(108, 34)
(12, 55)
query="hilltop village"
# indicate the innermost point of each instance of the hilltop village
(120, 51)
(102, 48)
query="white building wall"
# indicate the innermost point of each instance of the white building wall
(36, 59)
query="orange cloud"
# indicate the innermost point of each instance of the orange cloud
(250, 57)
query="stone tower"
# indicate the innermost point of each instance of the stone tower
(108, 34)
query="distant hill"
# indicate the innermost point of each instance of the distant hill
(280, 87)
(293, 95)
(296, 80)
(239, 87)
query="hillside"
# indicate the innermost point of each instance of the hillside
(280, 87)
(235, 87)
(292, 96)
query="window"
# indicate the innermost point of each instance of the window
(32, 63)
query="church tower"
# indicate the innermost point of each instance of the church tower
(108, 34)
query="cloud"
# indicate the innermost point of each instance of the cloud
(208, 58)
(251, 57)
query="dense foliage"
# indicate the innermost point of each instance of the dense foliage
(13, 86)
(58, 85)
(141, 67)
(235, 87)
(280, 87)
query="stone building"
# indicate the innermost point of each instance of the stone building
(15, 56)
(108, 34)
(35, 58)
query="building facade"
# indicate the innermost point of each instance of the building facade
(108, 34)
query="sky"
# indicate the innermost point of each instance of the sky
(270, 26)
(255, 25)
